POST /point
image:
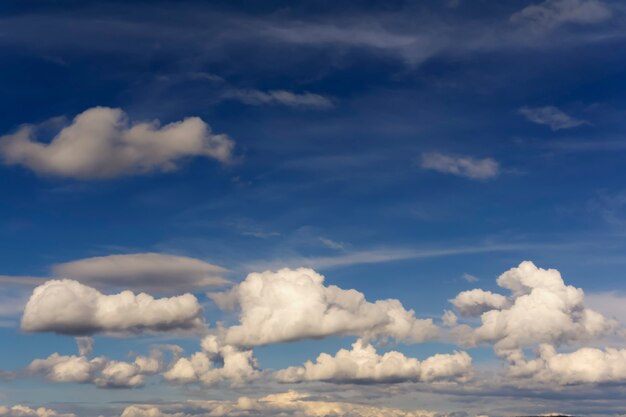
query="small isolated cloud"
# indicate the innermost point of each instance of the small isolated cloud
(469, 277)
(553, 13)
(100, 143)
(541, 309)
(294, 304)
(363, 364)
(282, 98)
(69, 307)
(463, 166)
(150, 272)
(551, 116)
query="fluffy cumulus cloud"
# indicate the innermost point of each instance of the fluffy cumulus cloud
(100, 143)
(551, 116)
(541, 309)
(281, 97)
(288, 404)
(363, 364)
(462, 166)
(102, 372)
(583, 366)
(293, 304)
(477, 301)
(69, 307)
(151, 272)
(25, 411)
(552, 13)
(237, 366)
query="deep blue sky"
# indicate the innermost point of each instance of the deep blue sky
(341, 187)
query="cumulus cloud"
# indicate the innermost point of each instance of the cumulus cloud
(552, 13)
(551, 116)
(102, 372)
(25, 411)
(288, 404)
(541, 309)
(151, 272)
(294, 304)
(583, 366)
(281, 97)
(363, 364)
(69, 307)
(100, 143)
(237, 366)
(462, 166)
(477, 301)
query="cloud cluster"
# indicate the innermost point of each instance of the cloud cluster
(237, 366)
(102, 372)
(363, 364)
(553, 13)
(294, 304)
(583, 366)
(462, 166)
(69, 307)
(25, 411)
(151, 272)
(281, 97)
(551, 116)
(288, 404)
(100, 143)
(541, 309)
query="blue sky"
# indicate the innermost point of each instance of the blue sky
(407, 150)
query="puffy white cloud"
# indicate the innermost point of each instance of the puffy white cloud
(151, 272)
(364, 364)
(288, 404)
(293, 304)
(541, 309)
(281, 97)
(551, 116)
(583, 366)
(100, 143)
(552, 13)
(69, 307)
(101, 371)
(237, 366)
(477, 301)
(462, 166)
(25, 411)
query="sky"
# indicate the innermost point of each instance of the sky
(308, 209)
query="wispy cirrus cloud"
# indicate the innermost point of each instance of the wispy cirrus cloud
(280, 97)
(552, 13)
(551, 116)
(460, 165)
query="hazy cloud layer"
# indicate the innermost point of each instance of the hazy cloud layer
(69, 307)
(151, 272)
(363, 364)
(551, 116)
(294, 304)
(462, 166)
(100, 143)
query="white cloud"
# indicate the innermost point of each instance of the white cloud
(293, 304)
(288, 404)
(364, 364)
(469, 277)
(449, 319)
(102, 372)
(281, 97)
(551, 116)
(541, 309)
(463, 166)
(237, 366)
(100, 143)
(552, 13)
(583, 366)
(69, 307)
(476, 302)
(151, 272)
(25, 411)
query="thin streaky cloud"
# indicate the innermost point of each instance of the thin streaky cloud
(551, 116)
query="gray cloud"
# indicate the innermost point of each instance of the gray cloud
(552, 13)
(462, 166)
(280, 97)
(551, 116)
